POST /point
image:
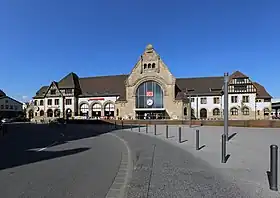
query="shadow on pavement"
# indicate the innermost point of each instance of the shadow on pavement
(22, 142)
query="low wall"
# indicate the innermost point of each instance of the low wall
(234, 123)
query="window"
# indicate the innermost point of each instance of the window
(53, 92)
(7, 106)
(49, 101)
(258, 112)
(6, 101)
(245, 111)
(41, 102)
(145, 66)
(35, 113)
(16, 107)
(153, 65)
(35, 102)
(68, 101)
(240, 88)
(216, 100)
(216, 112)
(117, 112)
(234, 99)
(203, 100)
(2, 106)
(56, 102)
(267, 100)
(68, 91)
(245, 99)
(41, 113)
(240, 80)
(11, 107)
(192, 99)
(258, 100)
(266, 111)
(185, 111)
(234, 111)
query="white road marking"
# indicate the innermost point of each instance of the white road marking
(41, 149)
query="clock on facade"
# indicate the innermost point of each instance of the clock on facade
(150, 102)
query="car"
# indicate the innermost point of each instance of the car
(5, 120)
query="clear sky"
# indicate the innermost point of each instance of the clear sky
(44, 40)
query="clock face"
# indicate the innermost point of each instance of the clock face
(150, 102)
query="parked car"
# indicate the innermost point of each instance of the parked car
(6, 120)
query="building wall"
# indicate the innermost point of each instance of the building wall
(11, 104)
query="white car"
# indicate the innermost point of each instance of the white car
(5, 120)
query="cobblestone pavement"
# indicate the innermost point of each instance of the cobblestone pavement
(164, 170)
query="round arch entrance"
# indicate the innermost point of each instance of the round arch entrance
(149, 101)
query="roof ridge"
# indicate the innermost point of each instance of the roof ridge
(104, 76)
(202, 77)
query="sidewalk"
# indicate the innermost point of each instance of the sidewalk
(248, 149)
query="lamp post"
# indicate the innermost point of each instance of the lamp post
(226, 105)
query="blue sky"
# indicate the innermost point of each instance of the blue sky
(44, 40)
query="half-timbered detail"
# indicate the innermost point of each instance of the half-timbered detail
(151, 91)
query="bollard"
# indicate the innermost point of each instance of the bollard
(273, 167)
(122, 124)
(180, 134)
(197, 140)
(155, 131)
(139, 129)
(146, 128)
(224, 148)
(131, 127)
(167, 132)
(115, 125)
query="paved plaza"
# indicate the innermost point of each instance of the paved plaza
(248, 151)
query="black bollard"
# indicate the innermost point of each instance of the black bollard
(131, 127)
(180, 134)
(166, 132)
(273, 167)
(139, 128)
(122, 124)
(146, 128)
(155, 129)
(115, 125)
(197, 140)
(224, 148)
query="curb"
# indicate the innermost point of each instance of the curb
(118, 188)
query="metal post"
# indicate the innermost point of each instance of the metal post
(197, 140)
(122, 124)
(131, 127)
(180, 134)
(155, 131)
(190, 111)
(115, 125)
(167, 131)
(139, 128)
(146, 128)
(226, 105)
(273, 167)
(224, 148)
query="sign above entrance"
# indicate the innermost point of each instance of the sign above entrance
(149, 93)
(95, 99)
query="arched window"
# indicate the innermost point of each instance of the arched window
(149, 95)
(234, 111)
(30, 114)
(84, 109)
(185, 111)
(56, 113)
(266, 112)
(109, 109)
(245, 111)
(203, 113)
(49, 113)
(68, 113)
(41, 102)
(42, 113)
(96, 110)
(216, 112)
(117, 112)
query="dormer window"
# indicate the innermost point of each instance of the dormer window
(149, 66)
(53, 91)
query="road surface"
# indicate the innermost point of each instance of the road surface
(75, 161)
